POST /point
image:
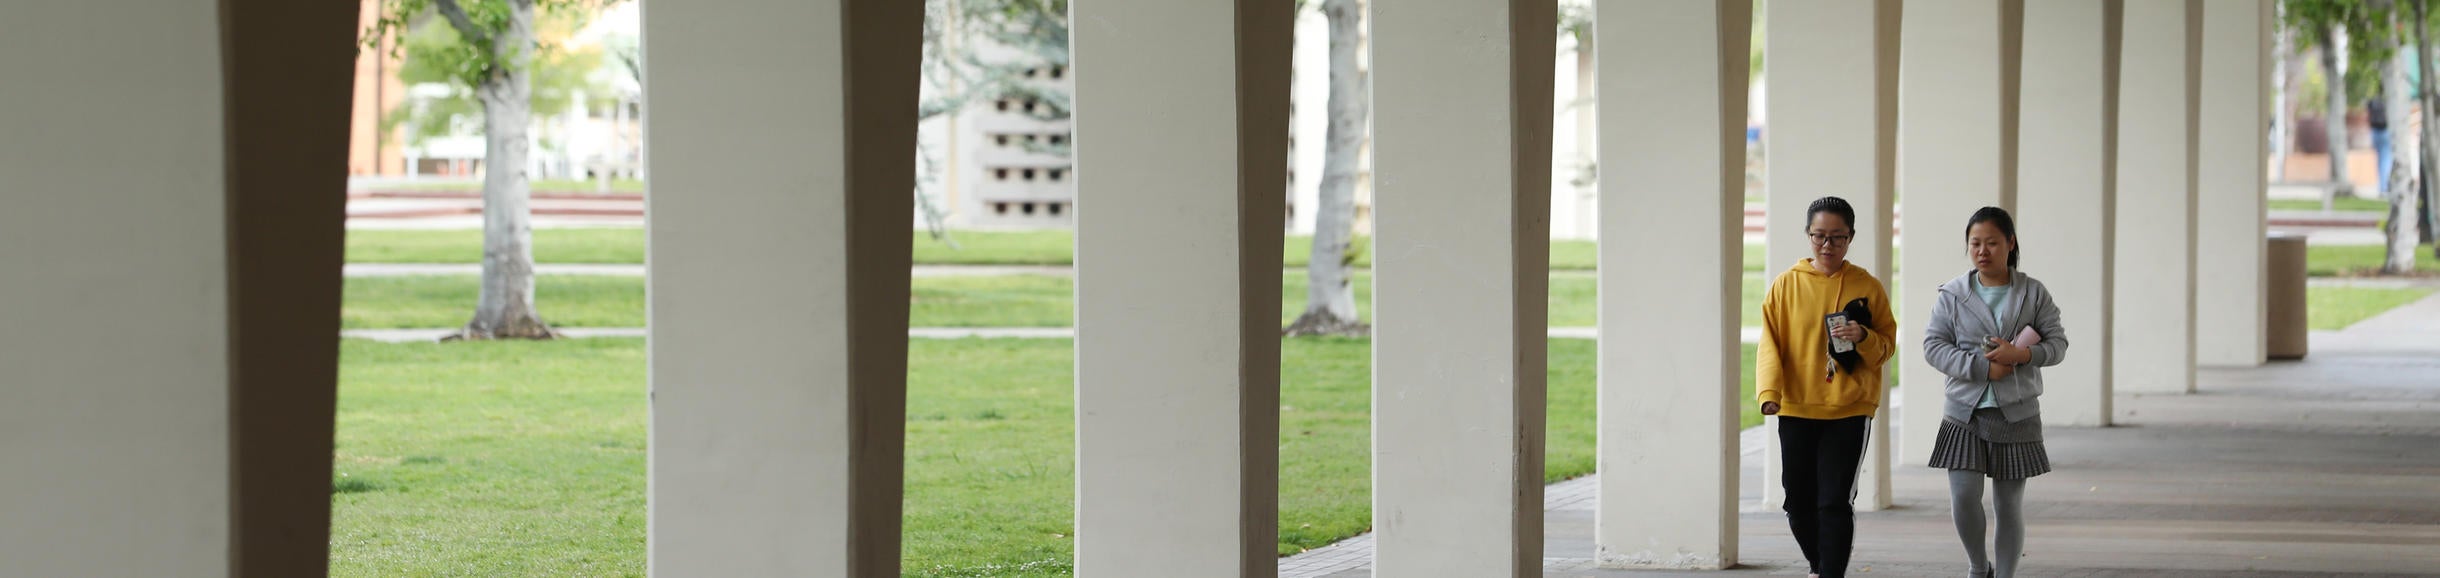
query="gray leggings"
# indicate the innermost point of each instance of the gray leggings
(1965, 506)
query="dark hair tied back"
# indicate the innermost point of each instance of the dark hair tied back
(1831, 205)
(1997, 217)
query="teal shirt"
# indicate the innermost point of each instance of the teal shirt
(1992, 296)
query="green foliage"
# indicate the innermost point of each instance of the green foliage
(1576, 20)
(1753, 48)
(1037, 29)
(436, 46)
(437, 55)
(2372, 36)
(478, 22)
(2312, 97)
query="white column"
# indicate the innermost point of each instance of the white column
(1177, 287)
(1673, 74)
(2229, 181)
(1833, 107)
(2154, 278)
(197, 205)
(115, 331)
(2067, 157)
(779, 304)
(1462, 114)
(1956, 74)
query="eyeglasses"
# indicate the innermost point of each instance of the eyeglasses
(1830, 240)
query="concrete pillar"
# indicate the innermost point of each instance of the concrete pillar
(170, 334)
(779, 304)
(1673, 74)
(1462, 114)
(2066, 191)
(1177, 287)
(2229, 182)
(1833, 107)
(2157, 92)
(1957, 74)
(287, 154)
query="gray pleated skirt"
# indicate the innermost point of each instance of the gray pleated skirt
(1988, 443)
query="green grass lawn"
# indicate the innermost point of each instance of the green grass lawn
(596, 245)
(1039, 301)
(490, 459)
(2360, 260)
(448, 301)
(2341, 204)
(2335, 308)
(987, 301)
(513, 458)
(626, 245)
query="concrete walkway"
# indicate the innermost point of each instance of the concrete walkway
(2321, 467)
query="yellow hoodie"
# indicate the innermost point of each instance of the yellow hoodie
(1791, 365)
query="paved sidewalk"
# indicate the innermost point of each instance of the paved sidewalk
(2322, 467)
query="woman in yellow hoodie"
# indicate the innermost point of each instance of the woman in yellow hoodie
(1823, 381)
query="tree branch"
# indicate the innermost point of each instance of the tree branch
(465, 26)
(635, 64)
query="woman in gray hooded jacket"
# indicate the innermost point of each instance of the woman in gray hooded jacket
(1991, 418)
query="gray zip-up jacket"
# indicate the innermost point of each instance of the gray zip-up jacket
(1952, 343)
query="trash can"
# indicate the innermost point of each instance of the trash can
(2287, 324)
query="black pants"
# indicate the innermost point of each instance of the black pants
(1817, 464)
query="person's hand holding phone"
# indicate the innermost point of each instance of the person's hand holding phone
(1850, 331)
(2000, 351)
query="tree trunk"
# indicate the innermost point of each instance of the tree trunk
(1330, 298)
(2335, 119)
(2401, 254)
(2400, 258)
(506, 308)
(2427, 129)
(2403, 225)
(1588, 129)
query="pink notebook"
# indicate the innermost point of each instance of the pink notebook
(2028, 337)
